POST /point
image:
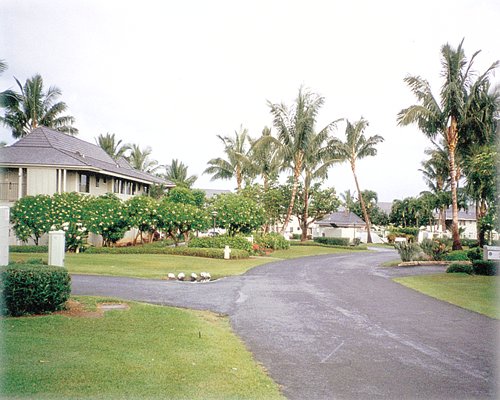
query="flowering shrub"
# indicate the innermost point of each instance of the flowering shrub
(181, 219)
(238, 214)
(107, 216)
(142, 212)
(29, 217)
(67, 215)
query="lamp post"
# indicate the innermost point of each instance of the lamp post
(214, 215)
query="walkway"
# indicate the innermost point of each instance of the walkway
(337, 326)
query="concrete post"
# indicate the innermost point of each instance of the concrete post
(56, 248)
(227, 253)
(4, 235)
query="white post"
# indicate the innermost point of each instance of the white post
(56, 248)
(4, 235)
(227, 253)
(65, 177)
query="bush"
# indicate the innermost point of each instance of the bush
(408, 251)
(469, 242)
(457, 255)
(29, 249)
(33, 289)
(434, 249)
(296, 236)
(404, 232)
(484, 267)
(219, 242)
(459, 267)
(273, 241)
(176, 251)
(475, 254)
(332, 241)
(311, 243)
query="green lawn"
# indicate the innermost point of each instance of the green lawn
(157, 266)
(147, 352)
(473, 292)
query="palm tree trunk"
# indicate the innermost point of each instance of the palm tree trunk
(452, 139)
(363, 207)
(266, 186)
(296, 173)
(305, 217)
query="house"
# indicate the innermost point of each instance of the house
(341, 224)
(48, 162)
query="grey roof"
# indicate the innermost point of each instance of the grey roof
(341, 219)
(462, 214)
(47, 147)
(209, 193)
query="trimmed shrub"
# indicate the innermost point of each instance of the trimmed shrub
(408, 251)
(457, 255)
(475, 254)
(33, 289)
(332, 241)
(296, 236)
(273, 241)
(175, 251)
(29, 249)
(312, 243)
(219, 242)
(459, 267)
(485, 267)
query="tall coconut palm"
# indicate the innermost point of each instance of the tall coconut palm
(454, 115)
(33, 107)
(358, 146)
(176, 172)
(348, 200)
(8, 98)
(140, 160)
(295, 128)
(237, 164)
(109, 144)
(265, 157)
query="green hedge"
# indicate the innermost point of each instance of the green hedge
(219, 242)
(312, 243)
(33, 289)
(405, 231)
(485, 267)
(273, 241)
(457, 255)
(458, 267)
(29, 249)
(178, 251)
(332, 241)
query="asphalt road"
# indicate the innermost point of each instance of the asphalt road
(338, 327)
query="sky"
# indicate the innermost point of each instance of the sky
(173, 75)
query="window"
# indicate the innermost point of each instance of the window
(97, 181)
(84, 183)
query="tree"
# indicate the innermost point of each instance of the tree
(348, 199)
(436, 175)
(140, 160)
(455, 115)
(266, 158)
(142, 214)
(29, 217)
(109, 144)
(237, 213)
(358, 146)
(176, 172)
(237, 165)
(295, 127)
(33, 107)
(376, 215)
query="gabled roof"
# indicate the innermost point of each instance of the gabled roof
(341, 219)
(47, 147)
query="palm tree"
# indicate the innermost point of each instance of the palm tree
(265, 157)
(357, 146)
(348, 200)
(176, 172)
(455, 116)
(318, 159)
(436, 174)
(33, 107)
(237, 164)
(295, 127)
(139, 159)
(109, 144)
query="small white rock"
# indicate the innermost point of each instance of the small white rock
(171, 276)
(194, 276)
(181, 276)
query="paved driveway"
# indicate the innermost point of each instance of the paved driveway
(337, 326)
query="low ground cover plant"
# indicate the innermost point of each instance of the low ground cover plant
(33, 289)
(28, 249)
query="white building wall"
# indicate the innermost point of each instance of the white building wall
(41, 181)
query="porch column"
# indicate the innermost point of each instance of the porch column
(20, 183)
(4, 235)
(65, 177)
(59, 178)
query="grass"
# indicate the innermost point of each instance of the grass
(472, 292)
(157, 266)
(146, 352)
